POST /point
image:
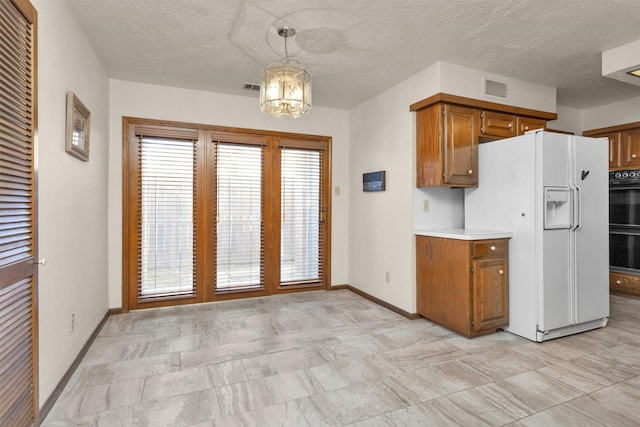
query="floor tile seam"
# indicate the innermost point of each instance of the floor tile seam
(564, 384)
(486, 401)
(618, 364)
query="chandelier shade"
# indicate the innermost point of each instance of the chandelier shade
(285, 89)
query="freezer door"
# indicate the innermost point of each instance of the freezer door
(554, 231)
(591, 236)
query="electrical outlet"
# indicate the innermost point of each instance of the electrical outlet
(72, 325)
(387, 277)
(425, 205)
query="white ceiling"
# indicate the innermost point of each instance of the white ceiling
(355, 49)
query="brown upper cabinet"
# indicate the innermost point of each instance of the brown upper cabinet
(525, 124)
(447, 146)
(497, 124)
(624, 144)
(449, 128)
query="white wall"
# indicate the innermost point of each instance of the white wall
(468, 82)
(612, 114)
(569, 119)
(382, 137)
(72, 194)
(159, 102)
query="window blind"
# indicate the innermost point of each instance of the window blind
(167, 217)
(239, 228)
(300, 247)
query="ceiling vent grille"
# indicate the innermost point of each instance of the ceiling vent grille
(494, 88)
(252, 86)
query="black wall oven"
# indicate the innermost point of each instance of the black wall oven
(624, 221)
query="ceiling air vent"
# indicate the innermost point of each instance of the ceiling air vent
(252, 86)
(493, 88)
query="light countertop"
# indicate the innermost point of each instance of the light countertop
(464, 233)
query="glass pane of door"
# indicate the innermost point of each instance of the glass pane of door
(301, 216)
(239, 231)
(167, 233)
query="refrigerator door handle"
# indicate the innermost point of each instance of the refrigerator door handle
(576, 208)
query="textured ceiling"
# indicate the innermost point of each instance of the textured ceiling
(355, 49)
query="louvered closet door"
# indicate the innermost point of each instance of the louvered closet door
(18, 311)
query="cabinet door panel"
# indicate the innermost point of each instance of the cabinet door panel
(490, 294)
(630, 144)
(497, 124)
(625, 283)
(525, 124)
(461, 150)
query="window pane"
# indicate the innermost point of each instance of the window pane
(239, 217)
(300, 216)
(167, 183)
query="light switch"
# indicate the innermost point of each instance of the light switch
(336, 191)
(425, 205)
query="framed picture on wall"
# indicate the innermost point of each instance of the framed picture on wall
(78, 126)
(373, 181)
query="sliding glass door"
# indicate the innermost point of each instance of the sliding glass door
(215, 214)
(301, 217)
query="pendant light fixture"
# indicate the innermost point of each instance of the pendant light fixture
(285, 88)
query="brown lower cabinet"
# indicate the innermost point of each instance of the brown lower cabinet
(624, 283)
(463, 284)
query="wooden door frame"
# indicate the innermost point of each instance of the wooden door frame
(128, 249)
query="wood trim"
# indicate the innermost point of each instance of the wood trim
(222, 129)
(114, 311)
(610, 129)
(566, 132)
(397, 310)
(337, 287)
(485, 105)
(55, 394)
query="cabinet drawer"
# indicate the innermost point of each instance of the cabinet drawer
(497, 124)
(490, 248)
(526, 124)
(626, 283)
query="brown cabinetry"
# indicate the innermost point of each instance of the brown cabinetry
(463, 284)
(446, 146)
(624, 145)
(497, 124)
(449, 128)
(525, 124)
(624, 283)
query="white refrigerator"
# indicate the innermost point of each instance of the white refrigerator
(551, 191)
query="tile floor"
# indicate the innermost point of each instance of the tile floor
(334, 359)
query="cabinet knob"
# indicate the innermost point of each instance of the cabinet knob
(493, 248)
(526, 128)
(470, 171)
(501, 271)
(510, 125)
(633, 156)
(618, 282)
